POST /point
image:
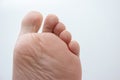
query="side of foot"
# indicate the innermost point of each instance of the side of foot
(50, 55)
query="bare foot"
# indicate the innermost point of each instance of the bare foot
(50, 55)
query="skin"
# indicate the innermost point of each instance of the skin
(49, 55)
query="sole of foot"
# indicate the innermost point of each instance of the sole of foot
(49, 55)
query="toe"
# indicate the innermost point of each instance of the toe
(59, 28)
(65, 36)
(31, 22)
(74, 47)
(50, 22)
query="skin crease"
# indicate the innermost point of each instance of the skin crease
(45, 56)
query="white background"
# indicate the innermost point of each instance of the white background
(95, 24)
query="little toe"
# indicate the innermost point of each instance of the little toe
(31, 22)
(50, 22)
(74, 47)
(65, 36)
(59, 28)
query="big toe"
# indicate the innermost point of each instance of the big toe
(31, 23)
